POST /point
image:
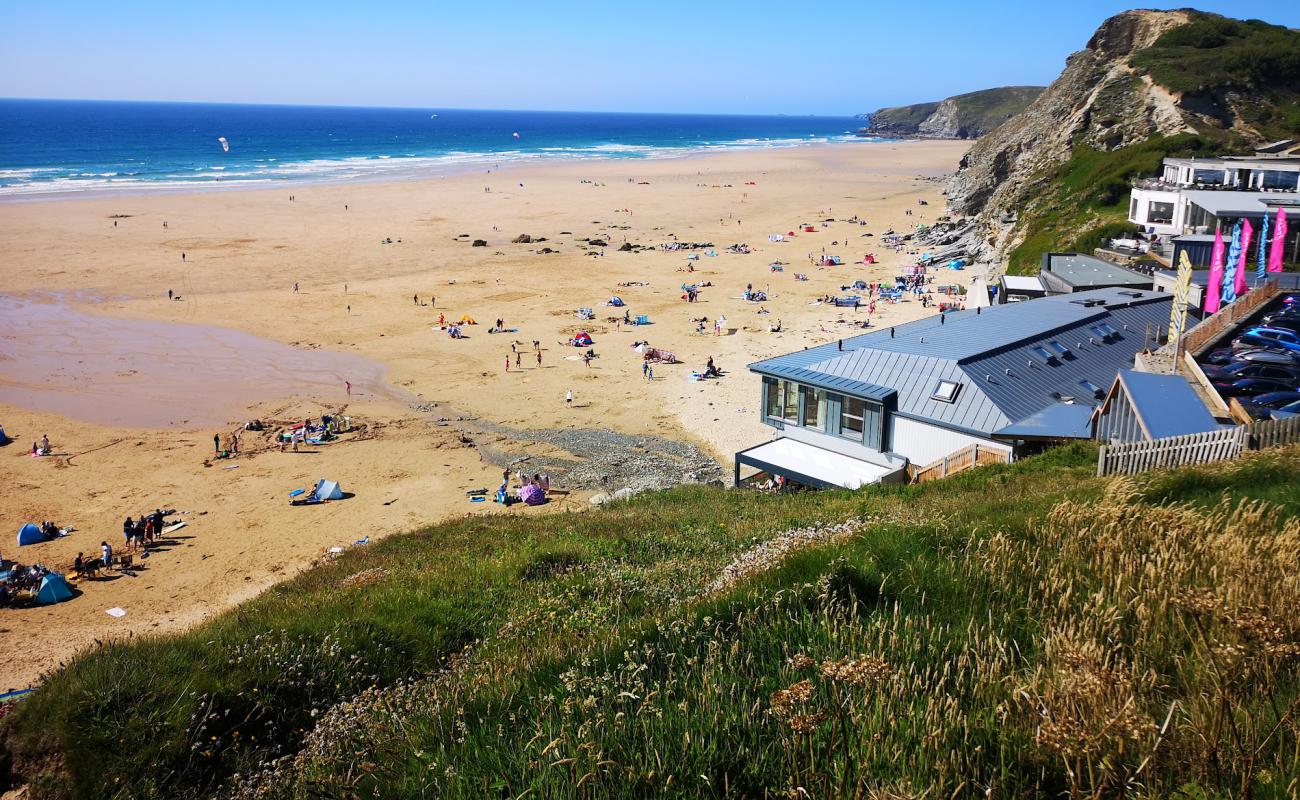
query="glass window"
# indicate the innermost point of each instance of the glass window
(1059, 348)
(1041, 353)
(790, 396)
(814, 408)
(772, 399)
(946, 391)
(851, 413)
(1091, 387)
(1160, 213)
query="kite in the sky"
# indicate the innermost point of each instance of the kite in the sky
(515, 135)
(225, 146)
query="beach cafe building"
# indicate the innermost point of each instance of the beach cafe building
(1195, 195)
(862, 410)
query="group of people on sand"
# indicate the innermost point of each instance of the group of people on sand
(140, 533)
(41, 448)
(532, 488)
(21, 581)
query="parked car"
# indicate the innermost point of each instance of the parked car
(1268, 338)
(1250, 387)
(1285, 312)
(1282, 357)
(1286, 412)
(1290, 322)
(1261, 404)
(1226, 355)
(1253, 369)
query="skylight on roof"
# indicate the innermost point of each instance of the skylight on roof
(1096, 390)
(1059, 348)
(946, 391)
(1098, 331)
(1042, 353)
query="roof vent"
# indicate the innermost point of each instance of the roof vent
(1007, 370)
(922, 340)
(988, 378)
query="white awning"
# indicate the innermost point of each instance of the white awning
(1223, 203)
(1022, 283)
(807, 464)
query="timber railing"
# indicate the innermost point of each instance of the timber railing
(1131, 458)
(960, 461)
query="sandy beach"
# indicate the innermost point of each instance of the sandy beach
(131, 387)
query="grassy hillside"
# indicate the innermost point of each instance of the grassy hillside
(1018, 630)
(1085, 200)
(1219, 66)
(1212, 57)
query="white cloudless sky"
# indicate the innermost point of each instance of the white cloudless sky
(710, 57)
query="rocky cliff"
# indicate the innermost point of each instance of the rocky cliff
(965, 116)
(1108, 99)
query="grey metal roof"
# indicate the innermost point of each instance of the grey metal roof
(1057, 421)
(989, 354)
(1077, 269)
(1166, 405)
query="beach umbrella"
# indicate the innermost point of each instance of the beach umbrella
(1230, 266)
(1263, 256)
(1239, 277)
(1279, 242)
(1214, 285)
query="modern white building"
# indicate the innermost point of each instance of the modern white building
(861, 410)
(1192, 195)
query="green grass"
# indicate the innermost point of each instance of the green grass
(1085, 200)
(1021, 630)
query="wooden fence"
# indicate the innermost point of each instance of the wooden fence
(1131, 458)
(960, 461)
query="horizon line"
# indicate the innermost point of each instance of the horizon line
(416, 108)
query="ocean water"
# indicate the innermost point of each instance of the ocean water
(59, 147)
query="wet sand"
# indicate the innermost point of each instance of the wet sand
(245, 250)
(153, 374)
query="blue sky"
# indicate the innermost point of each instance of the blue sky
(724, 57)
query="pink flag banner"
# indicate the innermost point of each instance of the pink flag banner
(1214, 285)
(1239, 279)
(1275, 251)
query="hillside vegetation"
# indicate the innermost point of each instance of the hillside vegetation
(1148, 84)
(1021, 630)
(964, 116)
(1085, 200)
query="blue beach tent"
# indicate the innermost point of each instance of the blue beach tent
(54, 589)
(30, 534)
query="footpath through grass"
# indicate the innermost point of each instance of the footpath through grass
(1017, 630)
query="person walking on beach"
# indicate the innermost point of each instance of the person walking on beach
(216, 444)
(295, 287)
(539, 358)
(507, 363)
(107, 550)
(348, 384)
(170, 295)
(650, 374)
(645, 369)
(182, 256)
(568, 398)
(518, 355)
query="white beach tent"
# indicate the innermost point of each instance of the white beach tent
(328, 490)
